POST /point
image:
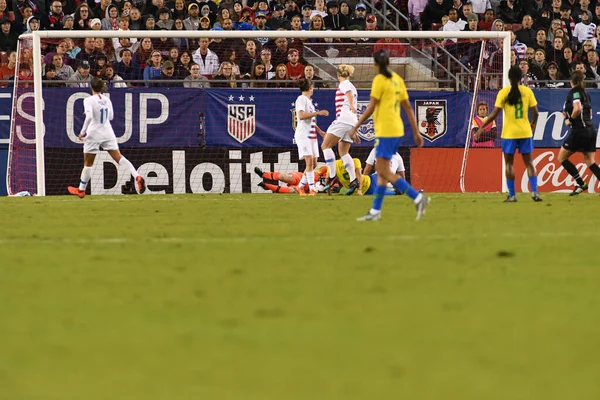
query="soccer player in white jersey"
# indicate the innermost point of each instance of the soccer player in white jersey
(97, 134)
(306, 134)
(396, 164)
(346, 103)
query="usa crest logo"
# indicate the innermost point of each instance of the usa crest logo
(366, 130)
(241, 121)
(432, 118)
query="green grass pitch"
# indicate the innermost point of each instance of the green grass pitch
(281, 297)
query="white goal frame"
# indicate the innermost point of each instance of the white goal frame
(37, 36)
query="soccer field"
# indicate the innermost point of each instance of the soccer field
(282, 297)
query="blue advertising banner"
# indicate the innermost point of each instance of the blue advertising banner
(249, 117)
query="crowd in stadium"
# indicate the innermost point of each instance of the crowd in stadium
(552, 38)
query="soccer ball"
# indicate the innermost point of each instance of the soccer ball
(320, 187)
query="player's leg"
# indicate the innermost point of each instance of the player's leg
(509, 147)
(344, 148)
(589, 155)
(563, 158)
(90, 149)
(113, 150)
(276, 188)
(329, 141)
(270, 176)
(526, 150)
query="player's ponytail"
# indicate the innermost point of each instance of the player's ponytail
(577, 79)
(382, 59)
(514, 76)
(345, 70)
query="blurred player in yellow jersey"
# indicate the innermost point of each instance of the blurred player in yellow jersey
(388, 93)
(517, 132)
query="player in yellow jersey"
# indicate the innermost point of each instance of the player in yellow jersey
(388, 93)
(517, 131)
(366, 183)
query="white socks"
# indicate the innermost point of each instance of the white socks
(86, 174)
(310, 179)
(349, 164)
(125, 163)
(330, 160)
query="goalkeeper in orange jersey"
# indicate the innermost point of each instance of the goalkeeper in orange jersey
(291, 180)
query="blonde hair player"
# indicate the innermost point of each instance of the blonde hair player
(346, 103)
(97, 135)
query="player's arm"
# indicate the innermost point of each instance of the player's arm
(490, 118)
(368, 169)
(320, 131)
(360, 181)
(350, 98)
(111, 113)
(534, 117)
(88, 119)
(369, 163)
(410, 113)
(308, 115)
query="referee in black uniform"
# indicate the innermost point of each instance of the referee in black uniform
(582, 138)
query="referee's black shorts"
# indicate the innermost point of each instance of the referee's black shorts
(581, 140)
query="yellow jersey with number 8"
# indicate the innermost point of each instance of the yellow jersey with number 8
(390, 92)
(516, 118)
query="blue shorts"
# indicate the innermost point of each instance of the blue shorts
(386, 147)
(373, 185)
(510, 146)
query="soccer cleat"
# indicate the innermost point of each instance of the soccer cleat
(535, 197)
(301, 191)
(262, 185)
(258, 171)
(370, 217)
(579, 189)
(422, 206)
(140, 184)
(76, 192)
(352, 187)
(329, 185)
(511, 199)
(312, 193)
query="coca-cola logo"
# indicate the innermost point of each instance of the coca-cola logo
(552, 177)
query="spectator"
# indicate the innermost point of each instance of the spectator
(526, 34)
(281, 78)
(204, 23)
(123, 27)
(88, 53)
(393, 47)
(195, 80)
(555, 26)
(245, 15)
(32, 24)
(192, 22)
(100, 9)
(167, 74)
(309, 73)
(554, 76)
(248, 57)
(596, 17)
(583, 52)
(152, 69)
(557, 50)
(470, 49)
(593, 65)
(81, 78)
(95, 24)
(567, 63)
(457, 5)
(281, 51)
(68, 23)
(135, 20)
(143, 52)
(360, 15)
(97, 69)
(112, 80)
(296, 23)
(25, 76)
(371, 25)
(205, 58)
(150, 23)
(258, 77)
(317, 24)
(205, 11)
(153, 6)
(294, 68)
(8, 38)
(124, 43)
(539, 65)
(306, 16)
(265, 57)
(481, 6)
(82, 18)
(584, 30)
(345, 10)
(583, 69)
(110, 22)
(72, 49)
(163, 45)
(7, 72)
(54, 20)
(528, 79)
(318, 9)
(51, 77)
(454, 24)
(61, 49)
(182, 68)
(291, 9)
(488, 19)
(519, 47)
(127, 68)
(164, 19)
(540, 40)
(231, 56)
(567, 23)
(415, 8)
(181, 43)
(510, 12)
(434, 11)
(595, 40)
(334, 20)
(225, 77)
(63, 72)
(223, 15)
(174, 56)
(179, 11)
(278, 20)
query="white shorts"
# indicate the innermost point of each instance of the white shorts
(91, 147)
(340, 130)
(307, 147)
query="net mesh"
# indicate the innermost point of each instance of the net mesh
(208, 134)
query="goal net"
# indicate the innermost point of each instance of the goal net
(200, 121)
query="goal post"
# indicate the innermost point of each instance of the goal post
(212, 97)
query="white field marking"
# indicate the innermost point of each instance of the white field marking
(251, 239)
